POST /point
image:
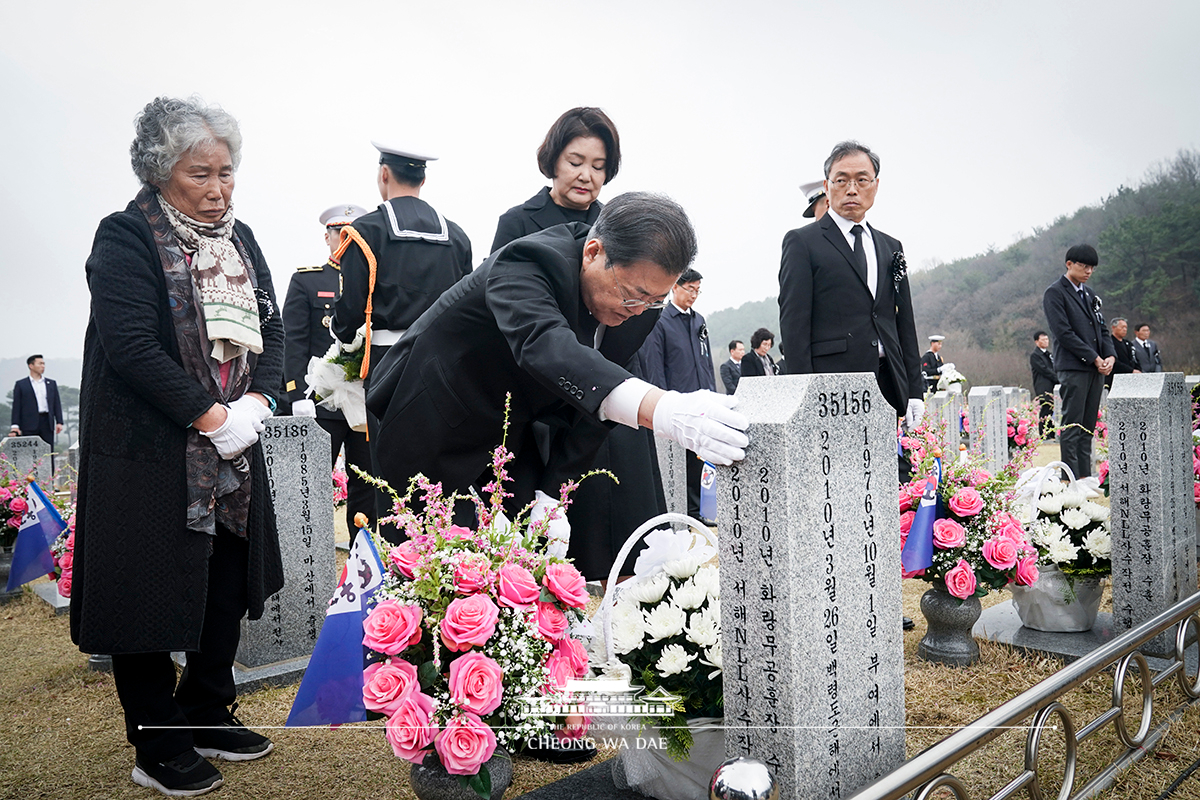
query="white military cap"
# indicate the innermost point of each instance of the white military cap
(812, 192)
(341, 215)
(936, 337)
(402, 154)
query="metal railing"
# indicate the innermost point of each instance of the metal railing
(929, 772)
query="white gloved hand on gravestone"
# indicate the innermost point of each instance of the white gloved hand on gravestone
(704, 423)
(239, 431)
(914, 412)
(558, 530)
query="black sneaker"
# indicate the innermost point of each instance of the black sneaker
(185, 775)
(230, 740)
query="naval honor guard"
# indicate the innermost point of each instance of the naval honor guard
(931, 362)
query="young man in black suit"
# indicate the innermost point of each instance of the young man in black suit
(844, 302)
(1083, 354)
(731, 370)
(1041, 364)
(36, 407)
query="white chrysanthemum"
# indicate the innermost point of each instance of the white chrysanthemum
(1043, 532)
(617, 671)
(712, 658)
(627, 635)
(688, 595)
(1072, 497)
(647, 591)
(1050, 504)
(703, 628)
(1061, 551)
(1051, 487)
(664, 621)
(714, 607)
(710, 580)
(674, 660)
(1098, 543)
(1074, 518)
(686, 566)
(624, 609)
(1095, 511)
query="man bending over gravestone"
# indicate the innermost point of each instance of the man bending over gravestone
(1083, 355)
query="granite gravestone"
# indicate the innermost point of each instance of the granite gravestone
(29, 455)
(1056, 414)
(276, 647)
(944, 409)
(1152, 499)
(1012, 397)
(810, 585)
(672, 464)
(989, 434)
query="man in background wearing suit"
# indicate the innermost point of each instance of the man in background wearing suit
(1083, 355)
(1126, 362)
(36, 407)
(844, 302)
(1149, 359)
(678, 358)
(1041, 364)
(731, 370)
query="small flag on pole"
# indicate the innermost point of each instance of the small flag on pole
(40, 526)
(332, 688)
(918, 548)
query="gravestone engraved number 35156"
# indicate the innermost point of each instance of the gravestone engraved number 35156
(843, 404)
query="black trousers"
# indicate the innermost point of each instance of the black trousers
(45, 429)
(383, 502)
(157, 712)
(1080, 393)
(360, 495)
(695, 471)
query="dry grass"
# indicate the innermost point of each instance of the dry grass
(63, 736)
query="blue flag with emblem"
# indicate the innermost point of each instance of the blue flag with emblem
(40, 526)
(918, 548)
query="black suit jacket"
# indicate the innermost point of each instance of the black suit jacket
(536, 214)
(677, 354)
(731, 373)
(307, 313)
(1042, 368)
(25, 405)
(752, 367)
(1076, 326)
(1147, 360)
(1126, 360)
(517, 324)
(830, 323)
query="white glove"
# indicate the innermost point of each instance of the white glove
(946, 367)
(703, 423)
(916, 410)
(253, 409)
(558, 532)
(238, 432)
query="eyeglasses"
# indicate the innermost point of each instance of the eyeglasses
(628, 302)
(842, 183)
(694, 292)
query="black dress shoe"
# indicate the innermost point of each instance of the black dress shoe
(712, 523)
(909, 624)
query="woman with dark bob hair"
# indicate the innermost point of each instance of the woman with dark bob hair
(580, 154)
(175, 535)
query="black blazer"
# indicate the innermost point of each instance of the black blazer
(731, 373)
(517, 324)
(307, 314)
(25, 406)
(536, 214)
(1076, 326)
(1043, 372)
(830, 323)
(1147, 360)
(752, 367)
(677, 353)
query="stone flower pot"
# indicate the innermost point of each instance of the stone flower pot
(430, 781)
(1056, 603)
(948, 638)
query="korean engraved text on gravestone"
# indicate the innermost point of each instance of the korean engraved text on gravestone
(29, 455)
(988, 434)
(810, 585)
(296, 450)
(672, 465)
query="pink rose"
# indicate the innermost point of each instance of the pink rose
(64, 583)
(576, 654)
(551, 621)
(71, 535)
(567, 584)
(66, 561)
(1011, 432)
(473, 575)
(906, 520)
(1011, 529)
(5, 493)
(1000, 552)
(518, 589)
(1027, 571)
(574, 727)
(947, 534)
(18, 505)
(14, 522)
(465, 744)
(386, 684)
(558, 664)
(1023, 427)
(456, 532)
(469, 621)
(476, 683)
(408, 729)
(978, 476)
(966, 502)
(960, 581)
(405, 557)
(391, 627)
(1102, 472)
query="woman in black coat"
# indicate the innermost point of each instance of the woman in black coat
(580, 154)
(175, 534)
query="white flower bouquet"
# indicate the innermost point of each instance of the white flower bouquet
(950, 376)
(335, 380)
(1068, 529)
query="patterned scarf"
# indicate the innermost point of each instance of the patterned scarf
(226, 294)
(218, 491)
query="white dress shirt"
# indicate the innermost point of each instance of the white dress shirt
(39, 391)
(868, 243)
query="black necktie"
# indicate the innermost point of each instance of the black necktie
(860, 255)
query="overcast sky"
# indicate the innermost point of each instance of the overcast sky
(990, 117)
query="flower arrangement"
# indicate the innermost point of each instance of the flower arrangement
(341, 487)
(63, 551)
(467, 626)
(336, 382)
(1070, 531)
(950, 377)
(1022, 426)
(13, 504)
(922, 440)
(666, 632)
(978, 544)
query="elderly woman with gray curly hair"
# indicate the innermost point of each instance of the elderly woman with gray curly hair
(175, 535)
